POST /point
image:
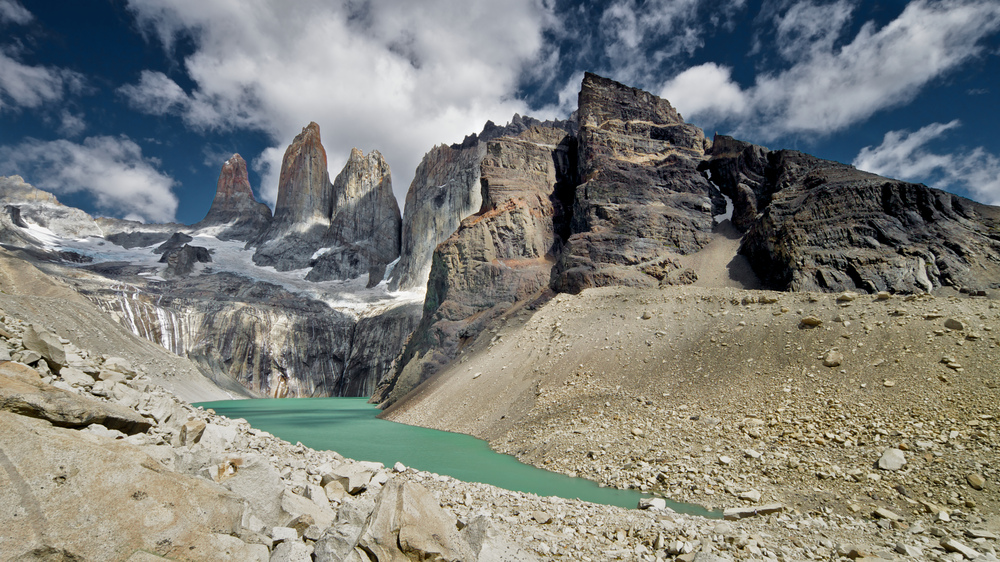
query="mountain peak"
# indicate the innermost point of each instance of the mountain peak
(305, 194)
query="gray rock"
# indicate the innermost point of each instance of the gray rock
(952, 545)
(92, 512)
(652, 503)
(342, 537)
(23, 393)
(353, 477)
(292, 551)
(408, 523)
(954, 324)
(892, 459)
(736, 513)
(76, 377)
(218, 438)
(119, 365)
(37, 338)
(261, 485)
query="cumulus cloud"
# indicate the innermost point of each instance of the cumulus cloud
(399, 77)
(707, 91)
(111, 170)
(830, 87)
(905, 155)
(13, 12)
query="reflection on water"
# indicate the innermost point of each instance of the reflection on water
(349, 426)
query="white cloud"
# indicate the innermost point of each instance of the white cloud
(12, 11)
(111, 170)
(905, 155)
(809, 27)
(830, 88)
(638, 38)
(70, 124)
(399, 77)
(707, 91)
(23, 85)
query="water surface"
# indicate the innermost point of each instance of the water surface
(349, 427)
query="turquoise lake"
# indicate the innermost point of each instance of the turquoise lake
(349, 427)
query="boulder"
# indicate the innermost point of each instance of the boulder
(23, 395)
(409, 524)
(73, 496)
(47, 344)
(342, 537)
(892, 459)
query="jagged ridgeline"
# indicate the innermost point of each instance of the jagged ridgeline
(325, 297)
(635, 193)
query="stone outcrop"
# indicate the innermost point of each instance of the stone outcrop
(445, 189)
(500, 256)
(364, 232)
(235, 211)
(305, 195)
(275, 342)
(341, 230)
(303, 209)
(642, 199)
(825, 226)
(181, 261)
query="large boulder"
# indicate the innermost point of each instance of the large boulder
(62, 502)
(47, 344)
(409, 524)
(23, 393)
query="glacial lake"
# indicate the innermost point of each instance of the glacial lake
(349, 427)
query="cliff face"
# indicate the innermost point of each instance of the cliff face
(270, 340)
(364, 233)
(642, 198)
(305, 195)
(234, 209)
(498, 257)
(824, 226)
(445, 189)
(339, 231)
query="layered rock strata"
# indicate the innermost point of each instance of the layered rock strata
(445, 189)
(272, 341)
(234, 210)
(642, 199)
(819, 225)
(500, 256)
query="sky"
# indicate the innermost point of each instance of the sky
(129, 108)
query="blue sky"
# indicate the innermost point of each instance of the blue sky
(128, 108)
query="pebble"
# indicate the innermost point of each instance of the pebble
(954, 324)
(833, 358)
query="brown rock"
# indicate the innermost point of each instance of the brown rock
(976, 481)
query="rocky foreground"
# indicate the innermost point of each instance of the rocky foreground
(863, 425)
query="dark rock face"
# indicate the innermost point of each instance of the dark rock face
(500, 256)
(642, 197)
(181, 261)
(364, 233)
(272, 341)
(445, 189)
(826, 226)
(176, 241)
(234, 206)
(340, 230)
